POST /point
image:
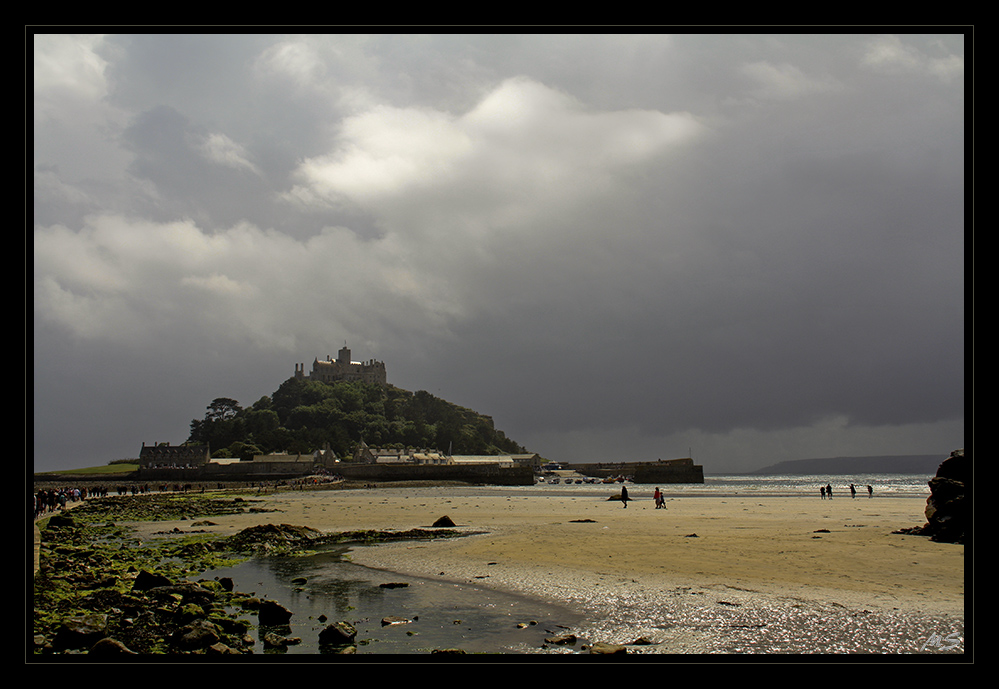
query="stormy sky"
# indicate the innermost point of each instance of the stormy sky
(745, 248)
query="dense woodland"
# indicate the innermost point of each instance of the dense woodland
(303, 416)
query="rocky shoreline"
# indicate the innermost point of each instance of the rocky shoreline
(101, 591)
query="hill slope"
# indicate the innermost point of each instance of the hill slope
(303, 416)
(883, 464)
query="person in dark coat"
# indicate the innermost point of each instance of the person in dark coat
(624, 496)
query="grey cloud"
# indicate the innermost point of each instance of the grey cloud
(750, 244)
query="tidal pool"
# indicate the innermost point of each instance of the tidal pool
(326, 587)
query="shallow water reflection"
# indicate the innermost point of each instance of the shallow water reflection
(324, 588)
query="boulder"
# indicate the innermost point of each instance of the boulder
(337, 634)
(444, 521)
(561, 639)
(272, 640)
(146, 580)
(272, 614)
(198, 634)
(81, 632)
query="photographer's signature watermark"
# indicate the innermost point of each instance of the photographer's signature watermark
(942, 643)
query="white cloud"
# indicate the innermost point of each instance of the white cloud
(221, 150)
(524, 144)
(130, 279)
(67, 66)
(784, 81)
(890, 55)
(291, 60)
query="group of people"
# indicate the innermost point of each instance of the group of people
(660, 499)
(826, 491)
(658, 496)
(53, 500)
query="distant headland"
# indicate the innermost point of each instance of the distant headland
(880, 464)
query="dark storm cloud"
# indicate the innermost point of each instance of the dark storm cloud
(612, 244)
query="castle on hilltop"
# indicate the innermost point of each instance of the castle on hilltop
(342, 368)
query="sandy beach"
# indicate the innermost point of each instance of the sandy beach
(737, 562)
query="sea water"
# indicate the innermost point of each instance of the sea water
(777, 485)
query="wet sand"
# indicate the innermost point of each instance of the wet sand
(706, 574)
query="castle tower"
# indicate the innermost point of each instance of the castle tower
(343, 356)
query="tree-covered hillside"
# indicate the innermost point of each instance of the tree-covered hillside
(303, 415)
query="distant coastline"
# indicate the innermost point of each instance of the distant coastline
(882, 464)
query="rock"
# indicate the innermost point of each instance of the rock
(337, 634)
(146, 580)
(393, 585)
(272, 640)
(444, 521)
(448, 651)
(607, 649)
(190, 612)
(198, 634)
(947, 509)
(61, 519)
(81, 632)
(948, 512)
(110, 647)
(561, 639)
(272, 614)
(226, 583)
(188, 592)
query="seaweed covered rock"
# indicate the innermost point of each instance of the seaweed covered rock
(267, 536)
(337, 634)
(82, 631)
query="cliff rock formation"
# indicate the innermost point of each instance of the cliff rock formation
(948, 509)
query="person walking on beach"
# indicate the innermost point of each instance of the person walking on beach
(624, 496)
(870, 491)
(657, 496)
(829, 491)
(853, 491)
(822, 492)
